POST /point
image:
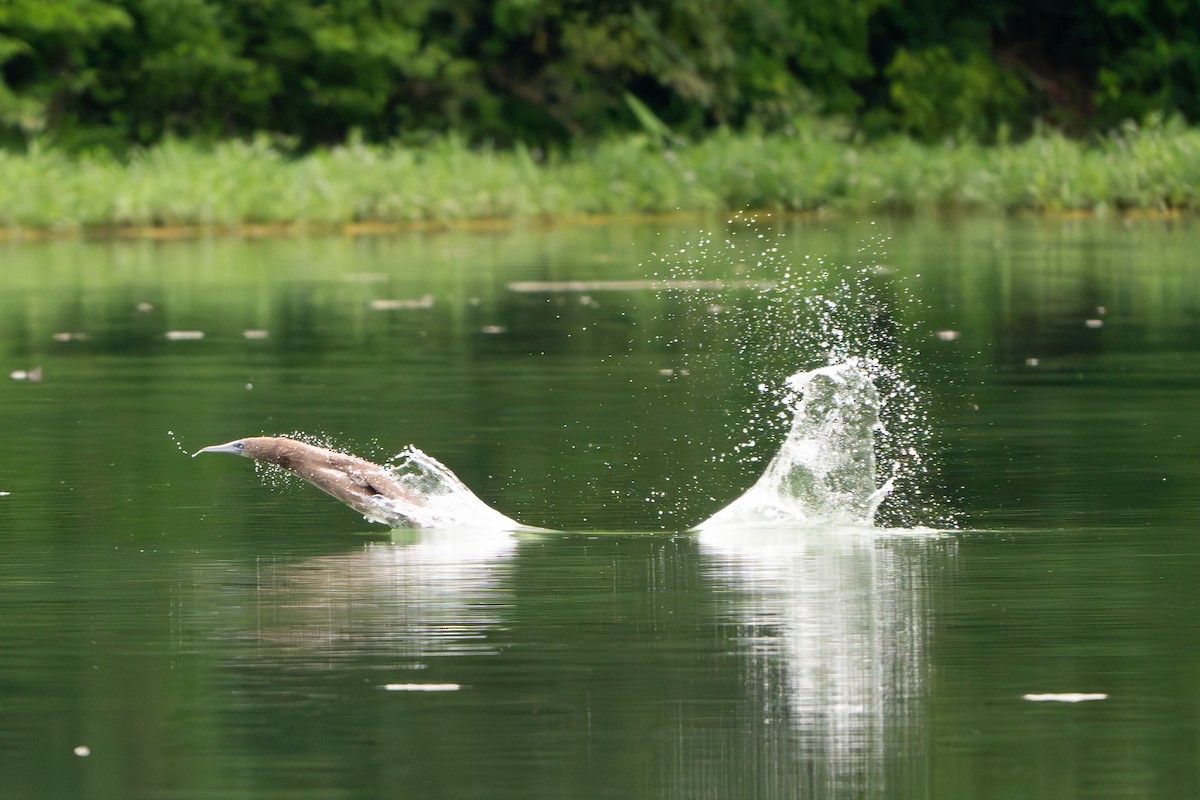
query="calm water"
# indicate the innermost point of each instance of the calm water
(177, 629)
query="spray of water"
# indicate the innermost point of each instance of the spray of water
(853, 425)
(824, 473)
(436, 497)
(279, 479)
(853, 429)
(178, 445)
(443, 501)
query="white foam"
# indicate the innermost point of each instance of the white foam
(440, 498)
(824, 473)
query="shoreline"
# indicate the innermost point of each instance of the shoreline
(354, 230)
(249, 189)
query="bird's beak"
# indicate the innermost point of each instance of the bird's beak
(229, 447)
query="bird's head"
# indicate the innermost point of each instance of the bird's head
(274, 449)
(237, 447)
(260, 448)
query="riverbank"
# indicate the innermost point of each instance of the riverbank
(251, 188)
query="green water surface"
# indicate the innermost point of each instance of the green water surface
(175, 628)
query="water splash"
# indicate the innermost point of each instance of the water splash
(441, 499)
(280, 480)
(811, 311)
(824, 473)
(178, 445)
(856, 416)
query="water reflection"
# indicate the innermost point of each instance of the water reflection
(834, 626)
(422, 595)
(772, 664)
(201, 639)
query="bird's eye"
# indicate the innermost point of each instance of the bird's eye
(240, 445)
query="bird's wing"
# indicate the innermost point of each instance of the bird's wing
(369, 476)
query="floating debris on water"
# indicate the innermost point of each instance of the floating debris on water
(1032, 362)
(83, 751)
(381, 304)
(659, 285)
(32, 375)
(183, 336)
(422, 687)
(255, 333)
(1094, 323)
(1065, 697)
(947, 336)
(493, 330)
(69, 336)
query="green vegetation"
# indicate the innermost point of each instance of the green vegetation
(115, 73)
(322, 113)
(1154, 167)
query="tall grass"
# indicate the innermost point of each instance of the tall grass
(240, 183)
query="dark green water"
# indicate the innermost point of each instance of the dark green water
(205, 636)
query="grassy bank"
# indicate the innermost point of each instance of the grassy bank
(239, 184)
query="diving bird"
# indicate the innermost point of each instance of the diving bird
(356, 482)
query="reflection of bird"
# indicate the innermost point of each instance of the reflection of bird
(356, 482)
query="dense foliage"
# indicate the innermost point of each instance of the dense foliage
(82, 72)
(235, 184)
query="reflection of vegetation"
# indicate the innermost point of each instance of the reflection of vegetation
(1153, 167)
(546, 403)
(326, 295)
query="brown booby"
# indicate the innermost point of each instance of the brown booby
(356, 482)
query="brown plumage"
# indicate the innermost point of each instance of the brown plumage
(356, 482)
